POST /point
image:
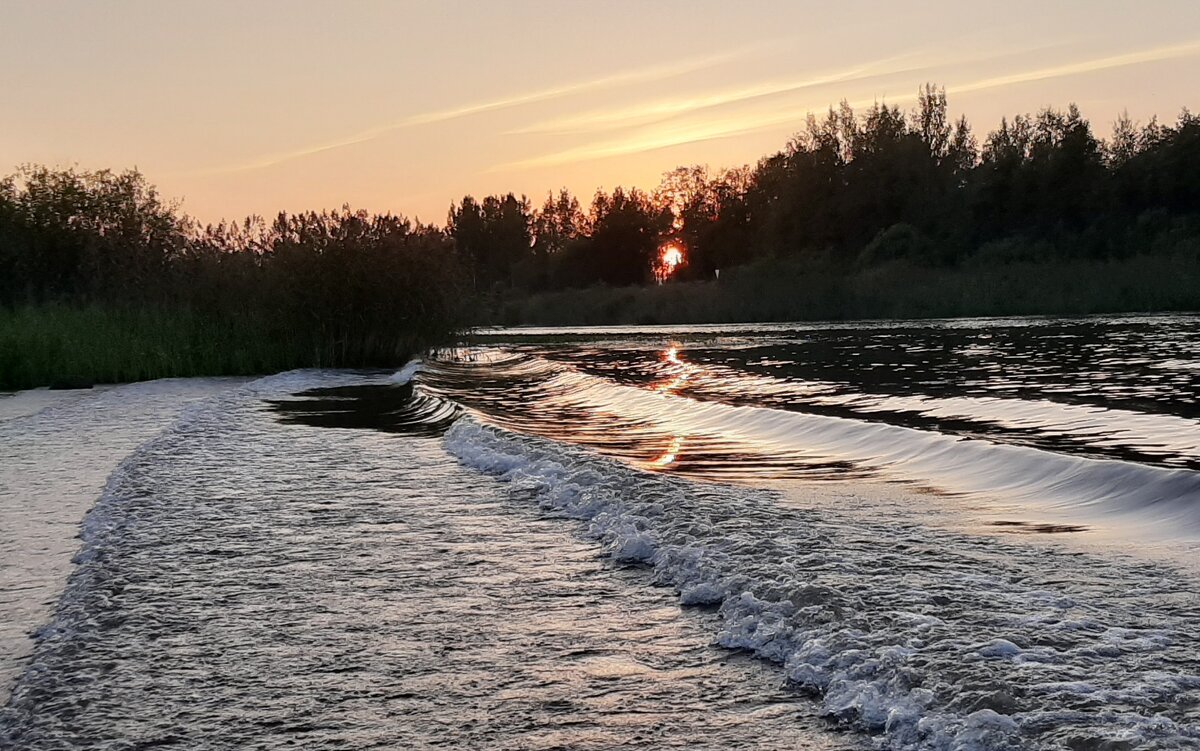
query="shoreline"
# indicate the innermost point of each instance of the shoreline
(783, 290)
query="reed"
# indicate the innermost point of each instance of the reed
(780, 290)
(48, 345)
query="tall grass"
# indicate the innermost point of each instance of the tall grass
(777, 290)
(54, 344)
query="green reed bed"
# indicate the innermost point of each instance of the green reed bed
(789, 291)
(52, 345)
(58, 345)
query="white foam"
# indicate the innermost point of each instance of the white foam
(405, 375)
(915, 679)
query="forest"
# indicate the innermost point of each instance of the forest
(854, 192)
(103, 281)
(861, 214)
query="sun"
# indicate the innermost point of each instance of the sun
(669, 258)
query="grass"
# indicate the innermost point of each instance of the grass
(49, 345)
(789, 291)
(52, 344)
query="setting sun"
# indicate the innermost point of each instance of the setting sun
(669, 258)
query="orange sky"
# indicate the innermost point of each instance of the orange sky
(252, 107)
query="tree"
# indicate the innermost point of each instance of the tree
(85, 235)
(559, 222)
(625, 229)
(494, 237)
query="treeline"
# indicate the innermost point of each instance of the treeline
(856, 210)
(84, 254)
(507, 244)
(856, 190)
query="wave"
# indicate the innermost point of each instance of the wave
(1168, 438)
(1042, 479)
(659, 429)
(927, 639)
(405, 375)
(1090, 429)
(393, 407)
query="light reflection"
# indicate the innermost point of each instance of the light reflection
(670, 357)
(669, 456)
(672, 385)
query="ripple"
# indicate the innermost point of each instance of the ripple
(927, 639)
(247, 583)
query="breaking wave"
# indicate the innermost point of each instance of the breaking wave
(925, 638)
(655, 428)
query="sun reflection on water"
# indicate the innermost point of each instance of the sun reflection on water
(670, 356)
(669, 456)
(682, 371)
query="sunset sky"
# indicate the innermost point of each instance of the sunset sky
(252, 107)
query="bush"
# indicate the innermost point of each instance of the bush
(898, 242)
(102, 282)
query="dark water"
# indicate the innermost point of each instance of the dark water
(954, 535)
(1126, 388)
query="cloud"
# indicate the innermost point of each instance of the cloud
(1088, 66)
(660, 133)
(651, 111)
(664, 136)
(643, 75)
(667, 135)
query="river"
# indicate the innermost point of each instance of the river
(969, 534)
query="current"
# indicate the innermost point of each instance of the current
(905, 535)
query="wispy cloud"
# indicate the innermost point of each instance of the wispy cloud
(1156, 54)
(643, 75)
(653, 120)
(649, 112)
(667, 135)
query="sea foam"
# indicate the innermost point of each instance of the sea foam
(921, 638)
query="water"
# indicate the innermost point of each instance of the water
(252, 582)
(56, 450)
(967, 535)
(1051, 424)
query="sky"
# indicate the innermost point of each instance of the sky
(237, 108)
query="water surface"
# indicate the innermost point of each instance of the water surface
(56, 450)
(942, 535)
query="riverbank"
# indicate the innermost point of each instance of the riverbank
(780, 290)
(73, 347)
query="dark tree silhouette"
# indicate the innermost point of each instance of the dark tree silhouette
(495, 237)
(849, 190)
